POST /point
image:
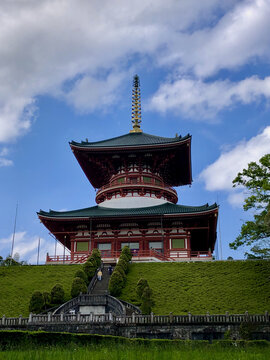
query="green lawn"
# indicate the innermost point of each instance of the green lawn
(17, 284)
(217, 287)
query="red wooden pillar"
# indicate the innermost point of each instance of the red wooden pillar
(188, 244)
(72, 248)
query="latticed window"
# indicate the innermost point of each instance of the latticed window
(178, 243)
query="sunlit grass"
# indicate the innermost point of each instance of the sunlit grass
(217, 287)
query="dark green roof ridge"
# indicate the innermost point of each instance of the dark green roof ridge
(131, 139)
(99, 211)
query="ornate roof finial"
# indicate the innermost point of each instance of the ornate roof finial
(136, 106)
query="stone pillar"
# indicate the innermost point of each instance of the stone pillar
(227, 316)
(110, 317)
(133, 318)
(3, 320)
(78, 316)
(152, 317)
(207, 316)
(61, 316)
(49, 316)
(20, 320)
(189, 316)
(91, 317)
(30, 319)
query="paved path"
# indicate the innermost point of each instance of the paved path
(101, 287)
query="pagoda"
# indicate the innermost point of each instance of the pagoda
(135, 175)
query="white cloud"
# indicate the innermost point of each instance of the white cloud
(3, 161)
(203, 100)
(220, 174)
(27, 247)
(46, 43)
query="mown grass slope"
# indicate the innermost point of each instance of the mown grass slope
(217, 287)
(17, 283)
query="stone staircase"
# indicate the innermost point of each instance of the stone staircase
(101, 286)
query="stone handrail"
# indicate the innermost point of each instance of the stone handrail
(136, 319)
(88, 299)
(131, 307)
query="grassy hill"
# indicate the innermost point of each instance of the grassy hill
(17, 284)
(234, 286)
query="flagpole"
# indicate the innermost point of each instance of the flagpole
(14, 230)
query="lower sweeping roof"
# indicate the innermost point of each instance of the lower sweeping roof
(99, 211)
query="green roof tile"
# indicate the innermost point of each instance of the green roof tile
(131, 139)
(98, 211)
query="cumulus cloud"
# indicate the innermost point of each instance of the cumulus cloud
(27, 247)
(47, 43)
(220, 174)
(3, 161)
(201, 100)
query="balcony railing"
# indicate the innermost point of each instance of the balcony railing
(170, 255)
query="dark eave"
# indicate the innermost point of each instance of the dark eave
(102, 212)
(170, 157)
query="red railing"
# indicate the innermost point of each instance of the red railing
(170, 255)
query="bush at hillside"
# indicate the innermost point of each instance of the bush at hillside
(57, 294)
(116, 283)
(46, 299)
(97, 256)
(126, 251)
(82, 275)
(89, 268)
(123, 264)
(147, 301)
(141, 285)
(36, 302)
(78, 286)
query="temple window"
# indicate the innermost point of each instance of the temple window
(178, 243)
(82, 246)
(106, 246)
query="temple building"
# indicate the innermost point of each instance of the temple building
(135, 175)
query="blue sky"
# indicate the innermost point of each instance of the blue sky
(66, 73)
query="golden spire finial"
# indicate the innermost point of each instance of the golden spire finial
(136, 106)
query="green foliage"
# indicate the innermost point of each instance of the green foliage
(81, 274)
(24, 280)
(141, 285)
(256, 179)
(124, 257)
(57, 294)
(126, 251)
(116, 283)
(89, 268)
(36, 302)
(78, 286)
(97, 256)
(217, 287)
(147, 301)
(122, 263)
(246, 329)
(46, 299)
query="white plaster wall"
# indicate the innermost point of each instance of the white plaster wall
(132, 202)
(97, 310)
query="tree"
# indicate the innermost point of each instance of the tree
(147, 301)
(89, 268)
(141, 285)
(81, 274)
(78, 286)
(36, 302)
(256, 232)
(57, 294)
(97, 256)
(46, 299)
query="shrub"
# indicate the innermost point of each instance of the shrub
(81, 274)
(123, 264)
(89, 269)
(147, 301)
(57, 294)
(78, 286)
(92, 261)
(36, 302)
(97, 256)
(124, 257)
(46, 299)
(126, 251)
(116, 283)
(141, 285)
